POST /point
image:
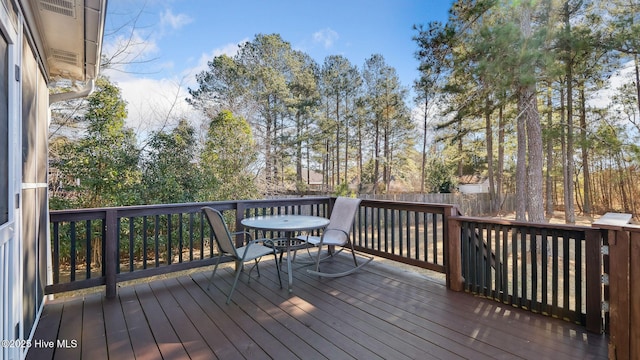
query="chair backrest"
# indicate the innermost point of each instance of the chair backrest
(343, 214)
(220, 231)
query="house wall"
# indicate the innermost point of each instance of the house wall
(23, 181)
(34, 212)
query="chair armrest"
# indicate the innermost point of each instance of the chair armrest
(245, 233)
(346, 234)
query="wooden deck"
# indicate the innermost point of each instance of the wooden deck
(380, 312)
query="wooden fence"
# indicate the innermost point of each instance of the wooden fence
(469, 204)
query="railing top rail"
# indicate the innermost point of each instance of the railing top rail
(408, 205)
(163, 209)
(482, 220)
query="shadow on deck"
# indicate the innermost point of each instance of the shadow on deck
(381, 311)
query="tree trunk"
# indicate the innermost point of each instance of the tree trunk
(424, 146)
(298, 148)
(563, 144)
(549, 179)
(376, 155)
(521, 167)
(500, 174)
(337, 165)
(346, 141)
(489, 138)
(585, 154)
(528, 106)
(460, 147)
(569, 210)
(637, 66)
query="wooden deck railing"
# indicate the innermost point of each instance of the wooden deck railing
(550, 269)
(622, 293)
(93, 247)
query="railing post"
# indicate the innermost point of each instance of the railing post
(634, 292)
(111, 252)
(240, 208)
(455, 281)
(622, 316)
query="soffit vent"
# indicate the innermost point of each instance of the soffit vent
(66, 57)
(62, 7)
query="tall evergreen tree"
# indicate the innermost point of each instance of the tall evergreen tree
(227, 159)
(170, 172)
(104, 161)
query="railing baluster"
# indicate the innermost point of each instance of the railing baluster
(578, 275)
(497, 278)
(56, 253)
(169, 242)
(534, 269)
(555, 274)
(144, 241)
(514, 266)
(566, 277)
(132, 245)
(435, 220)
(505, 264)
(545, 272)
(88, 248)
(156, 239)
(73, 251)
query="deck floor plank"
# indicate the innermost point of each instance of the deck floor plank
(70, 329)
(225, 329)
(142, 341)
(497, 322)
(377, 312)
(454, 331)
(46, 332)
(388, 315)
(118, 342)
(160, 325)
(94, 340)
(189, 336)
(271, 331)
(271, 304)
(381, 337)
(315, 326)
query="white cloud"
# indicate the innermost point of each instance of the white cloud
(602, 98)
(326, 37)
(155, 103)
(152, 104)
(230, 50)
(175, 21)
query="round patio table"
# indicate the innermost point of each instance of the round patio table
(289, 224)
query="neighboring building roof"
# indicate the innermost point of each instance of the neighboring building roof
(471, 179)
(314, 177)
(68, 33)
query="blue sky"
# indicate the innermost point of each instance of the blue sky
(174, 39)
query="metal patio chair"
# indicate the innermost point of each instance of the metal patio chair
(337, 234)
(254, 250)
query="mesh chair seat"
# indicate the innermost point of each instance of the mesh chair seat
(337, 234)
(254, 250)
